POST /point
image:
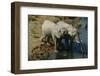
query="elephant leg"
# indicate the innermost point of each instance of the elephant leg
(55, 43)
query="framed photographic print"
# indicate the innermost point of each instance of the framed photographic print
(52, 37)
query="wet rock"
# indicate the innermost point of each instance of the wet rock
(41, 52)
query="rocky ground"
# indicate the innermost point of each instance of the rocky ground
(41, 52)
